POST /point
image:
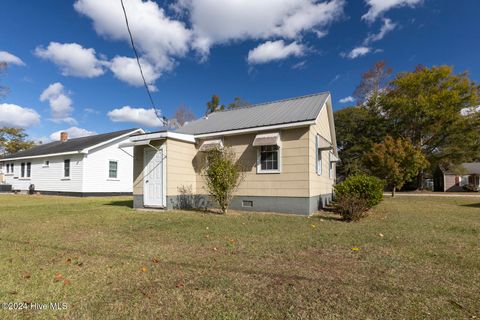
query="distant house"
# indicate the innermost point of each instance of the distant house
(455, 180)
(92, 165)
(287, 149)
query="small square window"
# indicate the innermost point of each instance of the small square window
(46, 163)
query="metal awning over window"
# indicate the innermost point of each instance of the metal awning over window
(323, 143)
(134, 143)
(210, 145)
(267, 139)
(334, 158)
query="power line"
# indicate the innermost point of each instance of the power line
(157, 112)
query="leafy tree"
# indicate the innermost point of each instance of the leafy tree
(222, 175)
(214, 104)
(396, 161)
(425, 106)
(184, 114)
(238, 103)
(357, 129)
(13, 140)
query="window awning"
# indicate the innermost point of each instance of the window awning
(134, 143)
(334, 158)
(323, 143)
(210, 145)
(267, 139)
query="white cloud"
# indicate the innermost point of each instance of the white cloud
(60, 103)
(141, 116)
(274, 50)
(387, 26)
(73, 132)
(126, 69)
(216, 22)
(72, 59)
(356, 52)
(469, 111)
(348, 99)
(9, 58)
(379, 7)
(158, 37)
(12, 115)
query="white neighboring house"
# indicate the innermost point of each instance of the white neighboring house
(87, 166)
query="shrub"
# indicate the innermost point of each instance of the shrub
(356, 195)
(470, 188)
(222, 176)
(351, 208)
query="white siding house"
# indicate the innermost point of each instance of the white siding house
(93, 165)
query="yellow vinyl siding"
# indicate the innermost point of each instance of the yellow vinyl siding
(180, 169)
(320, 184)
(292, 181)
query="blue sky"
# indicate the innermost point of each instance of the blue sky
(258, 50)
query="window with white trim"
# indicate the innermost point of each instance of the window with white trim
(29, 169)
(463, 181)
(22, 170)
(268, 159)
(112, 169)
(66, 168)
(46, 163)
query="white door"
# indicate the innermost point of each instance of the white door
(153, 191)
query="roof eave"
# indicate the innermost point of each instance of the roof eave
(290, 125)
(43, 155)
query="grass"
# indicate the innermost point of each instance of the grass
(412, 258)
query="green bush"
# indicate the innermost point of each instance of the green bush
(470, 188)
(357, 194)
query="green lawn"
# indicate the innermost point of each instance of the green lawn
(417, 258)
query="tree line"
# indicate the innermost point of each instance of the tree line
(404, 126)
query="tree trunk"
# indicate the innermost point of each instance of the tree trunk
(393, 192)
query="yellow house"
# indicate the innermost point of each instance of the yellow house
(287, 148)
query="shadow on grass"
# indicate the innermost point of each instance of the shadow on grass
(329, 216)
(172, 265)
(472, 205)
(121, 203)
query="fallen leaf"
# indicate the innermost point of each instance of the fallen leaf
(180, 285)
(155, 260)
(206, 228)
(214, 249)
(381, 235)
(144, 269)
(58, 277)
(68, 261)
(26, 275)
(355, 249)
(66, 282)
(313, 226)
(322, 220)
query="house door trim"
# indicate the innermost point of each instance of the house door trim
(162, 149)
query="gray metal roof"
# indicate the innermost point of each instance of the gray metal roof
(465, 168)
(76, 144)
(286, 111)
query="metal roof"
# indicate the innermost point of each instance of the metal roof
(464, 168)
(285, 111)
(71, 145)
